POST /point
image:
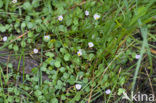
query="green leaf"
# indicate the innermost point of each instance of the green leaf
(105, 78)
(120, 91)
(68, 21)
(1, 3)
(85, 80)
(77, 97)
(27, 6)
(52, 62)
(35, 3)
(10, 65)
(29, 40)
(66, 75)
(43, 68)
(57, 64)
(30, 34)
(2, 28)
(90, 57)
(62, 69)
(141, 11)
(10, 99)
(23, 25)
(34, 70)
(63, 50)
(23, 43)
(67, 57)
(77, 60)
(121, 81)
(57, 44)
(71, 80)
(61, 10)
(29, 25)
(63, 97)
(15, 48)
(80, 74)
(54, 100)
(27, 18)
(10, 46)
(50, 54)
(50, 44)
(37, 93)
(62, 28)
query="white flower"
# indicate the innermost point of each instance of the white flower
(108, 91)
(47, 38)
(14, 1)
(90, 44)
(79, 53)
(86, 13)
(78, 86)
(35, 50)
(5, 38)
(60, 18)
(137, 56)
(96, 16)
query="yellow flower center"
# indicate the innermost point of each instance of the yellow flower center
(79, 54)
(46, 37)
(96, 18)
(60, 18)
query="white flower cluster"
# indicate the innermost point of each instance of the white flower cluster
(14, 1)
(90, 44)
(95, 16)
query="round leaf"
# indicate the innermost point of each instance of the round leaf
(67, 57)
(57, 64)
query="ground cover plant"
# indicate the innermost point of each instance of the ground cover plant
(77, 51)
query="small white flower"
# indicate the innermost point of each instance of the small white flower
(90, 44)
(14, 1)
(35, 51)
(78, 86)
(5, 38)
(96, 16)
(137, 56)
(86, 13)
(47, 38)
(108, 91)
(60, 18)
(79, 53)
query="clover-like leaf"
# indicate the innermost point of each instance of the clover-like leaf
(67, 57)
(50, 54)
(57, 64)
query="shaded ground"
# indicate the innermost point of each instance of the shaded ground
(17, 63)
